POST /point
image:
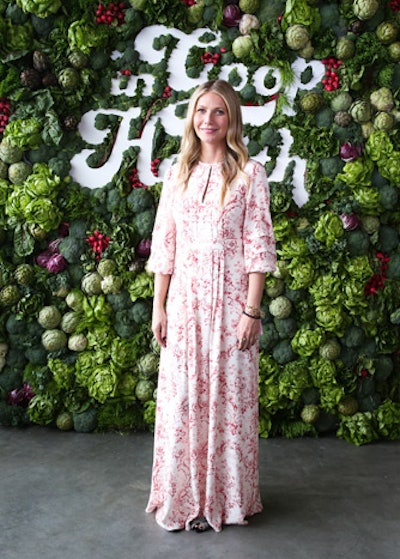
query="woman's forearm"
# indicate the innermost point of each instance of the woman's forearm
(256, 289)
(161, 285)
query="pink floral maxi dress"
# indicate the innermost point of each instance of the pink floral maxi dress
(206, 433)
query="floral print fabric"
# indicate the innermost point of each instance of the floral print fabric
(206, 433)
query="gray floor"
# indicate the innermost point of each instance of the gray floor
(78, 496)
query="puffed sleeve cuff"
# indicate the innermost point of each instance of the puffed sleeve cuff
(259, 257)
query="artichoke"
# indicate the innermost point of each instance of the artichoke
(69, 78)
(297, 36)
(40, 61)
(9, 295)
(311, 102)
(386, 32)
(384, 121)
(341, 102)
(310, 413)
(365, 9)
(78, 59)
(31, 78)
(342, 118)
(382, 99)
(348, 405)
(345, 48)
(24, 274)
(361, 111)
(394, 51)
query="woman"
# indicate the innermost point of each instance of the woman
(212, 245)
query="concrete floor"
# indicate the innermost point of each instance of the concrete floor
(82, 496)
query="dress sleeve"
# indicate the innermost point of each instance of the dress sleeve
(162, 255)
(258, 234)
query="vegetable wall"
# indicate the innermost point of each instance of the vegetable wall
(92, 100)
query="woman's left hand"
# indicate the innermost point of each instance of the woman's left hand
(247, 332)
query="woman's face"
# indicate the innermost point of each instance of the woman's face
(211, 120)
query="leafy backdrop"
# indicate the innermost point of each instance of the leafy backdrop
(76, 349)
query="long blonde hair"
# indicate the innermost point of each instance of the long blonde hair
(236, 156)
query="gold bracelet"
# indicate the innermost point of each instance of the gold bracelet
(255, 311)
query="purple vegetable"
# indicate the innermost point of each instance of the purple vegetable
(350, 221)
(232, 15)
(56, 263)
(350, 152)
(142, 249)
(20, 396)
(43, 258)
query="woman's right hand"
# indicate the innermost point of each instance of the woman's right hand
(159, 326)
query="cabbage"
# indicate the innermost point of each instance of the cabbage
(77, 342)
(49, 317)
(54, 339)
(74, 299)
(70, 321)
(18, 172)
(91, 283)
(111, 284)
(242, 46)
(280, 307)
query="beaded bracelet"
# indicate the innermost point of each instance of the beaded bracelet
(252, 316)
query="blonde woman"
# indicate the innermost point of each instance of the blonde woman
(212, 244)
